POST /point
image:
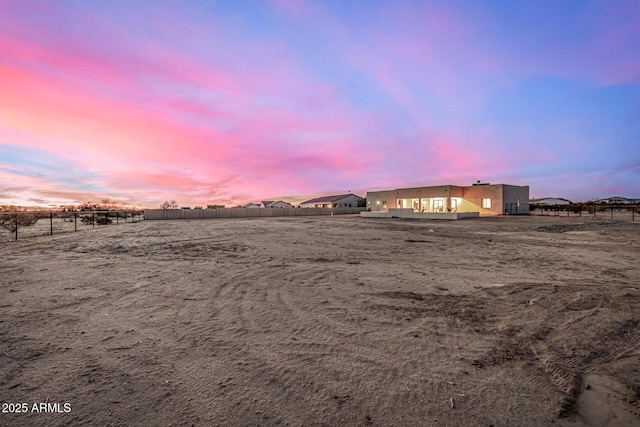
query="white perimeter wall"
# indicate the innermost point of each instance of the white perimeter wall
(151, 214)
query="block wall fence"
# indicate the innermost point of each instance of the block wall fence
(159, 214)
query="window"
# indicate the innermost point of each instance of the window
(486, 203)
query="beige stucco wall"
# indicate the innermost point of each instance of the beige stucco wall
(473, 195)
(519, 195)
(409, 213)
(375, 200)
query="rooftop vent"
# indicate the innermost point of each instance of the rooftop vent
(480, 183)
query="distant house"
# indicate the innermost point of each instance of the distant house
(215, 206)
(617, 199)
(335, 201)
(276, 204)
(550, 201)
(250, 205)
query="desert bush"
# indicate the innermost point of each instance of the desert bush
(8, 221)
(100, 219)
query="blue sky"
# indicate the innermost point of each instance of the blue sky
(236, 101)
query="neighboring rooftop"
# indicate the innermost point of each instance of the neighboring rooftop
(617, 199)
(329, 199)
(551, 200)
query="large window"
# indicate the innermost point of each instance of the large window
(486, 203)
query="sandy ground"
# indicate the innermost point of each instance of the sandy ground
(324, 321)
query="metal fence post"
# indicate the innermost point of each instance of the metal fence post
(612, 214)
(75, 221)
(16, 227)
(93, 219)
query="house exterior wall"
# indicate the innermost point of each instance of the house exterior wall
(280, 204)
(518, 195)
(381, 200)
(307, 205)
(351, 199)
(473, 195)
(451, 198)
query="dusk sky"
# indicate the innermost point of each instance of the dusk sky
(229, 102)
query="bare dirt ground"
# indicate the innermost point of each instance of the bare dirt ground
(325, 321)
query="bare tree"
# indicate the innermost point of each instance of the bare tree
(169, 205)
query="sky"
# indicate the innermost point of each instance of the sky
(232, 101)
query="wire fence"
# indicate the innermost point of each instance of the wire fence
(21, 225)
(593, 211)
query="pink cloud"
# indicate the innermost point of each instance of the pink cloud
(137, 128)
(206, 112)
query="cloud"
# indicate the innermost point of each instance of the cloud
(220, 104)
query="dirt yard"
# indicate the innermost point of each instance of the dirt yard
(530, 321)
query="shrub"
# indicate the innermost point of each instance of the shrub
(100, 219)
(8, 221)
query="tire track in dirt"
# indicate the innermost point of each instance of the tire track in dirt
(321, 337)
(527, 330)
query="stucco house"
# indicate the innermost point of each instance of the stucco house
(335, 201)
(276, 204)
(484, 199)
(250, 205)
